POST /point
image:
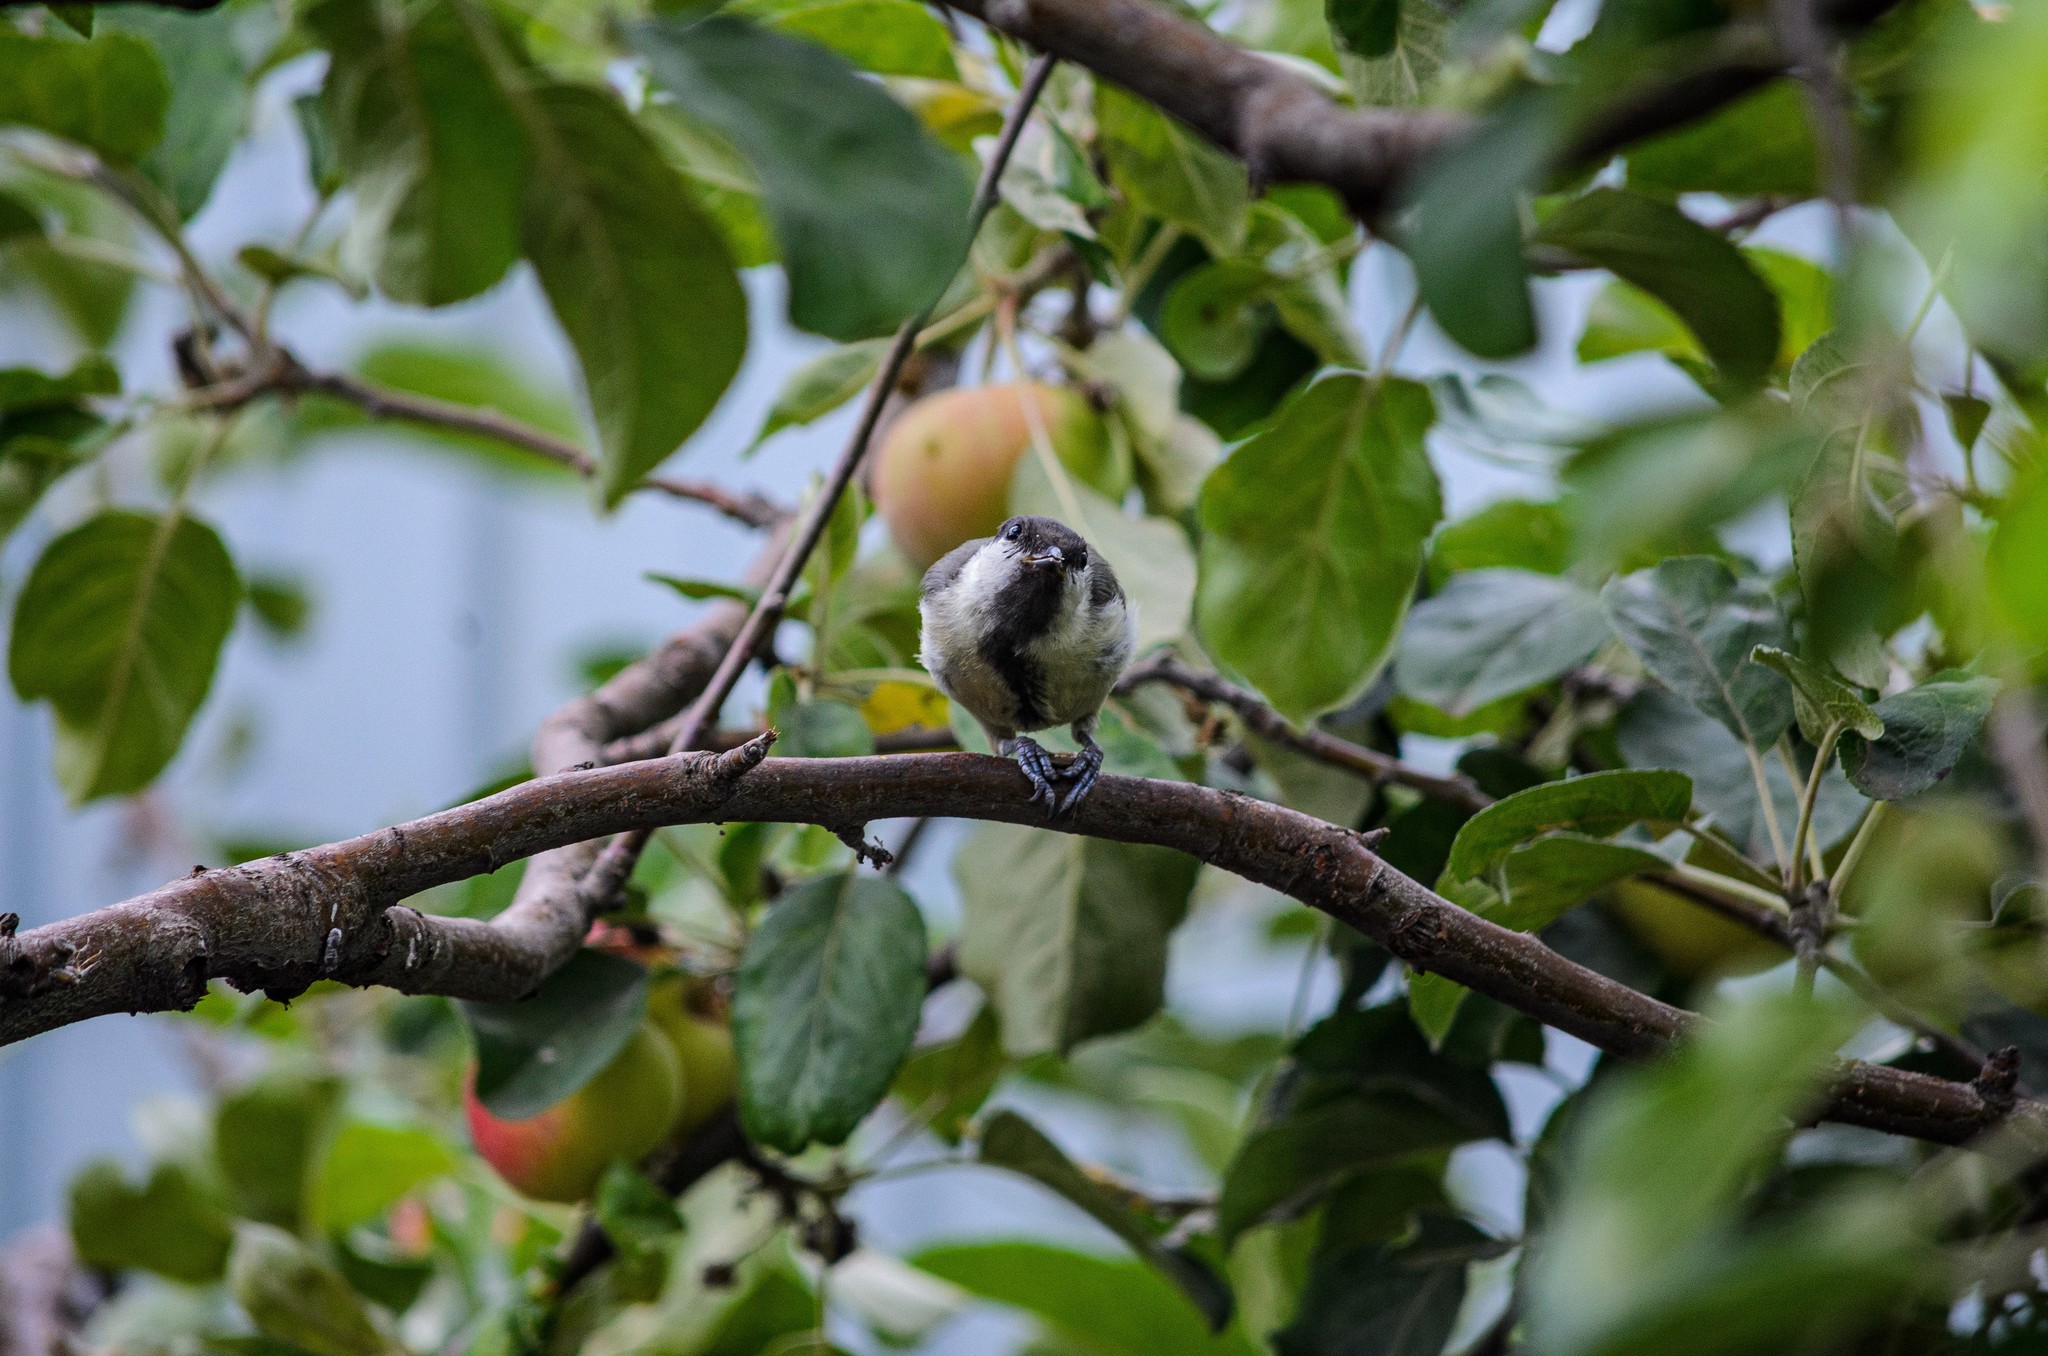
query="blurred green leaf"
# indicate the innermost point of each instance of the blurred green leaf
(531, 1055)
(1010, 1141)
(425, 134)
(1694, 271)
(25, 389)
(1761, 143)
(368, 1167)
(1597, 803)
(1213, 319)
(822, 385)
(637, 276)
(1821, 702)
(1296, 591)
(1095, 1304)
(280, 603)
(208, 109)
(1464, 235)
(824, 729)
(119, 628)
(464, 376)
(944, 1086)
(1512, 534)
(1169, 171)
(870, 212)
(1406, 75)
(1695, 624)
(381, 1274)
(108, 94)
(888, 37)
(173, 1224)
(293, 1296)
(19, 220)
(700, 589)
(634, 1212)
(1392, 1299)
(1067, 935)
(1492, 633)
(267, 1136)
(1285, 1167)
(825, 1007)
(1966, 416)
(1366, 27)
(1925, 730)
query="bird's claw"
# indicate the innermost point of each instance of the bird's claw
(1037, 765)
(1086, 767)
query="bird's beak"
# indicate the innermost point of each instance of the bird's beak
(1051, 555)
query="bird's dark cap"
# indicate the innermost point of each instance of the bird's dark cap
(1043, 541)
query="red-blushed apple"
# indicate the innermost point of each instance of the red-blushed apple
(618, 1116)
(942, 475)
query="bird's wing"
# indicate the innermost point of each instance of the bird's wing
(949, 566)
(1103, 588)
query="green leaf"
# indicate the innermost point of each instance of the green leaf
(531, 1055)
(209, 102)
(119, 628)
(1094, 1304)
(824, 729)
(1067, 935)
(700, 589)
(381, 1273)
(1966, 417)
(1285, 1167)
(19, 220)
(293, 1296)
(637, 275)
(108, 94)
(869, 211)
(464, 376)
(825, 1007)
(1761, 143)
(888, 37)
(943, 1086)
(1391, 1299)
(1213, 320)
(1820, 701)
(368, 1167)
(280, 604)
(634, 1212)
(1367, 27)
(1926, 728)
(1597, 803)
(1170, 172)
(1512, 534)
(36, 450)
(173, 1224)
(1694, 625)
(1313, 531)
(1433, 1002)
(424, 133)
(1693, 270)
(24, 388)
(1493, 633)
(266, 1136)
(822, 385)
(1010, 1141)
(1464, 234)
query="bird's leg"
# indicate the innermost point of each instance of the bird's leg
(1037, 765)
(1085, 768)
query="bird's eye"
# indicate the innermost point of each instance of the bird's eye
(1013, 531)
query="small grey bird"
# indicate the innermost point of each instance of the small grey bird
(1028, 629)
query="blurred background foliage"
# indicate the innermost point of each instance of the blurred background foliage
(1738, 704)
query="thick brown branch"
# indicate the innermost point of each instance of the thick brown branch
(266, 923)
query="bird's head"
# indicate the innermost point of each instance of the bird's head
(1042, 544)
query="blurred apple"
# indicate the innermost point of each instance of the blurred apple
(688, 1013)
(618, 1116)
(942, 475)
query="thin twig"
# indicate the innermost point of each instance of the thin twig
(615, 864)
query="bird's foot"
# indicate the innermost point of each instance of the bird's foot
(1082, 772)
(1037, 765)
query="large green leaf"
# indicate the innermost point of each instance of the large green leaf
(1492, 633)
(637, 275)
(531, 1055)
(1762, 143)
(174, 1224)
(1101, 1305)
(1694, 624)
(1312, 539)
(1598, 803)
(267, 1134)
(209, 95)
(423, 132)
(1391, 1299)
(1925, 730)
(119, 628)
(825, 1008)
(1171, 172)
(291, 1295)
(869, 211)
(1691, 269)
(1010, 1141)
(368, 1167)
(888, 37)
(108, 94)
(1067, 935)
(1516, 534)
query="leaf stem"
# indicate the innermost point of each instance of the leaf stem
(1802, 835)
(1846, 868)
(1768, 810)
(1729, 885)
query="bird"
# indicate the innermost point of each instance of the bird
(1028, 630)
